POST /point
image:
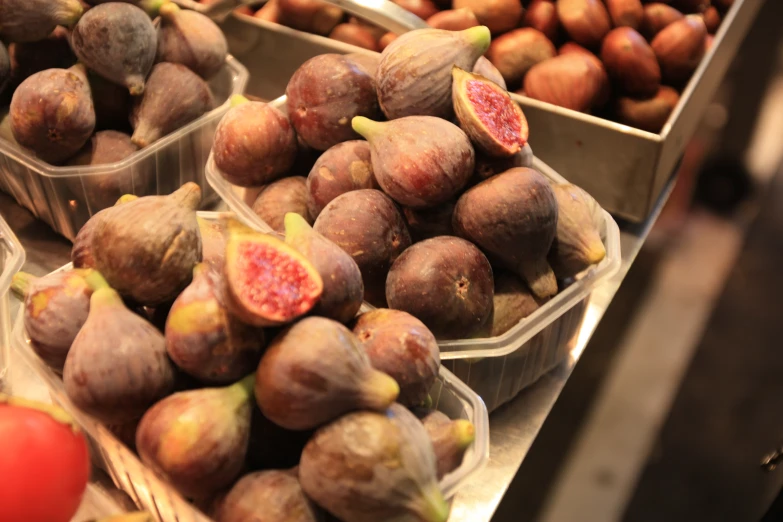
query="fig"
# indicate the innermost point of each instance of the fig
(366, 224)
(631, 62)
(401, 346)
(269, 283)
(421, 8)
(487, 166)
(313, 16)
(386, 40)
(453, 20)
(514, 53)
(203, 339)
(626, 13)
(213, 243)
(191, 39)
(414, 76)
(355, 35)
(52, 113)
(270, 11)
(159, 112)
(117, 366)
(281, 197)
(450, 439)
(268, 496)
(343, 287)
(342, 168)
(498, 15)
(81, 254)
(105, 147)
(658, 15)
(711, 19)
(513, 217)
(446, 282)
(577, 244)
(585, 21)
(55, 309)
(679, 47)
(33, 20)
(419, 161)
(53, 52)
(485, 68)
(147, 248)
(127, 57)
(112, 104)
(300, 389)
(426, 223)
(573, 80)
(512, 302)
(198, 439)
(367, 62)
(542, 16)
(374, 466)
(324, 94)
(488, 115)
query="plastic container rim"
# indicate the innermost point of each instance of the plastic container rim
(13, 259)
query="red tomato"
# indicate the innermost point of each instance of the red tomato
(44, 463)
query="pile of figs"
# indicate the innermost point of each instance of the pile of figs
(437, 205)
(91, 83)
(235, 364)
(625, 60)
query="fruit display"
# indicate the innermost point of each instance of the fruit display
(628, 59)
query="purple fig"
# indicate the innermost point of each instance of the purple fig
(450, 439)
(105, 147)
(32, 20)
(81, 254)
(192, 39)
(281, 197)
(368, 62)
(512, 302)
(486, 69)
(577, 243)
(342, 168)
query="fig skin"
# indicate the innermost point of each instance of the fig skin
(127, 57)
(117, 366)
(585, 21)
(254, 144)
(81, 253)
(658, 15)
(512, 302)
(366, 224)
(426, 223)
(498, 15)
(573, 80)
(419, 161)
(174, 96)
(312, 16)
(453, 20)
(626, 13)
(421, 8)
(631, 62)
(324, 94)
(577, 244)
(485, 68)
(446, 282)
(281, 197)
(198, 439)
(191, 39)
(542, 16)
(374, 466)
(52, 113)
(147, 248)
(679, 47)
(268, 496)
(401, 346)
(366, 62)
(303, 389)
(203, 339)
(355, 35)
(414, 76)
(105, 147)
(513, 217)
(450, 439)
(345, 167)
(112, 104)
(343, 287)
(517, 51)
(33, 20)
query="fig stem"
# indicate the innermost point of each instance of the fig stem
(238, 99)
(126, 198)
(55, 412)
(243, 390)
(478, 36)
(79, 70)
(435, 508)
(365, 126)
(187, 196)
(465, 433)
(95, 279)
(105, 297)
(20, 284)
(167, 10)
(295, 225)
(380, 390)
(153, 7)
(68, 13)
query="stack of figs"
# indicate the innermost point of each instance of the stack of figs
(235, 364)
(437, 205)
(625, 60)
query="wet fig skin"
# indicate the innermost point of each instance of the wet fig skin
(191, 39)
(33, 20)
(281, 197)
(345, 167)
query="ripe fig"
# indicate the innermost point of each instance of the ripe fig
(414, 76)
(33, 20)
(366, 224)
(269, 283)
(512, 302)
(513, 217)
(542, 16)
(446, 282)
(571, 80)
(585, 21)
(52, 113)
(577, 244)
(301, 389)
(450, 439)
(626, 13)
(514, 53)
(55, 309)
(81, 254)
(658, 15)
(191, 39)
(486, 166)
(680, 46)
(367, 62)
(269, 496)
(105, 147)
(112, 104)
(53, 52)
(453, 20)
(198, 439)
(324, 94)
(313, 16)
(343, 288)
(127, 57)
(374, 466)
(419, 161)
(401, 346)
(631, 62)
(485, 68)
(117, 366)
(203, 339)
(426, 223)
(488, 115)
(355, 35)
(281, 197)
(711, 19)
(498, 15)
(421, 8)
(342, 168)
(158, 112)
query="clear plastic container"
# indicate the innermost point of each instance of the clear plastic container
(66, 197)
(11, 261)
(449, 395)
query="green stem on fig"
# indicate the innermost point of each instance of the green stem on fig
(67, 13)
(167, 10)
(126, 198)
(365, 126)
(238, 99)
(434, 507)
(465, 433)
(94, 279)
(199, 269)
(57, 413)
(244, 389)
(20, 284)
(295, 225)
(379, 390)
(479, 37)
(105, 297)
